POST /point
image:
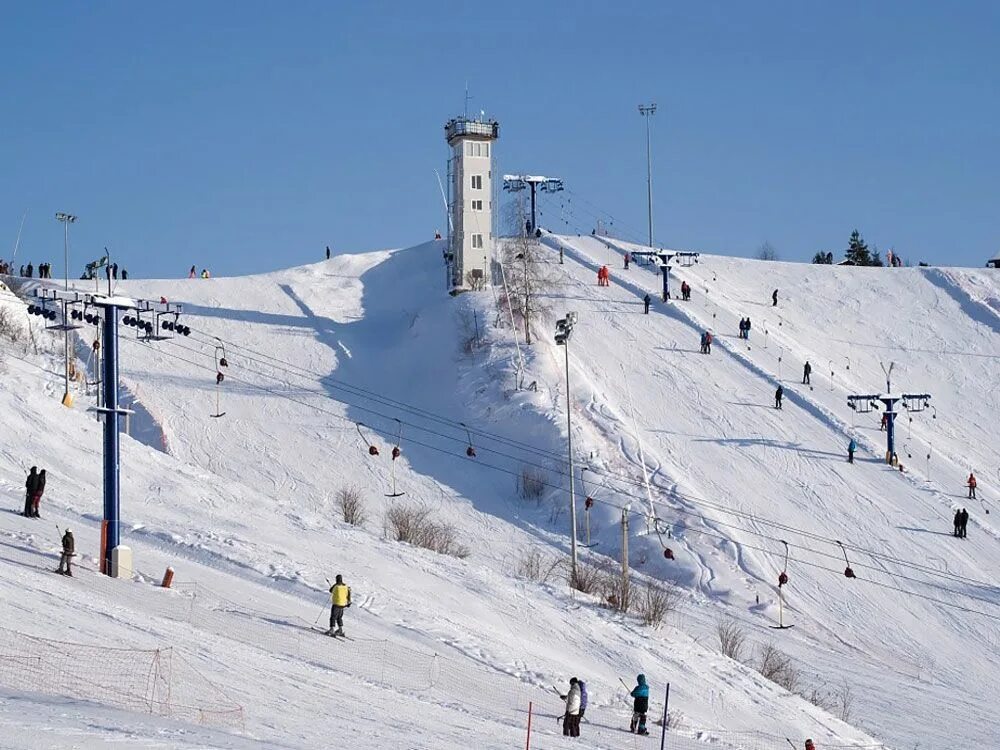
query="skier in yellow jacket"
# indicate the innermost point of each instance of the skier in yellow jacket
(340, 599)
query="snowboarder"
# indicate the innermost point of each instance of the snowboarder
(851, 447)
(68, 551)
(645, 302)
(340, 599)
(437, 236)
(972, 486)
(778, 394)
(571, 718)
(806, 372)
(38, 494)
(958, 523)
(774, 298)
(964, 530)
(30, 488)
(640, 705)
(628, 258)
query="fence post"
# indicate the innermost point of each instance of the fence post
(666, 704)
(527, 743)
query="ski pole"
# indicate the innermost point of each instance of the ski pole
(790, 743)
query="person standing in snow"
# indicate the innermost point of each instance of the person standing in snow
(645, 302)
(640, 706)
(958, 523)
(806, 372)
(778, 395)
(583, 698)
(192, 273)
(571, 718)
(124, 274)
(884, 424)
(30, 487)
(810, 745)
(328, 247)
(964, 528)
(340, 599)
(68, 551)
(851, 447)
(774, 298)
(38, 494)
(746, 331)
(628, 259)
(972, 486)
(743, 327)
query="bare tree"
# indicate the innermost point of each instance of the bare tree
(767, 251)
(732, 639)
(352, 506)
(526, 270)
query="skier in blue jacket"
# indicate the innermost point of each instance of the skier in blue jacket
(851, 447)
(640, 705)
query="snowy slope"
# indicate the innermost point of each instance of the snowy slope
(243, 505)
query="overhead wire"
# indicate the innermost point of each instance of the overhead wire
(618, 507)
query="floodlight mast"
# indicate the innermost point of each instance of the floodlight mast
(66, 220)
(647, 111)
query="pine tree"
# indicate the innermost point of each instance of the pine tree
(857, 250)
(824, 259)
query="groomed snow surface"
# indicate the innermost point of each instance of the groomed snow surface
(448, 651)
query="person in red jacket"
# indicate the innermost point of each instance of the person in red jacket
(972, 486)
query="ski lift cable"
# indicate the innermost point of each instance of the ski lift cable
(903, 563)
(708, 504)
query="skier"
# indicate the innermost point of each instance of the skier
(972, 486)
(30, 488)
(192, 272)
(965, 524)
(774, 298)
(708, 342)
(645, 302)
(571, 718)
(640, 705)
(38, 494)
(437, 236)
(628, 258)
(68, 551)
(810, 745)
(851, 447)
(806, 372)
(340, 599)
(958, 523)
(778, 394)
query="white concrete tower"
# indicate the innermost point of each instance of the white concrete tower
(470, 200)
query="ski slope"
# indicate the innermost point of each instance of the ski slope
(243, 505)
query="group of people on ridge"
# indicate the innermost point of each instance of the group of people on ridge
(193, 273)
(28, 271)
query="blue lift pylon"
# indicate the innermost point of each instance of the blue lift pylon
(863, 403)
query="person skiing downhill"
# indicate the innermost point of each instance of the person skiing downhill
(778, 394)
(640, 705)
(806, 372)
(68, 551)
(574, 701)
(340, 599)
(851, 447)
(972, 486)
(774, 298)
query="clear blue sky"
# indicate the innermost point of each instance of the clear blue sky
(247, 136)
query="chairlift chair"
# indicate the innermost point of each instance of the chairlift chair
(396, 453)
(782, 582)
(220, 363)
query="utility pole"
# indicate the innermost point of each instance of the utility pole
(66, 219)
(626, 592)
(564, 328)
(647, 111)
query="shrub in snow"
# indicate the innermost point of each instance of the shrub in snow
(352, 506)
(417, 525)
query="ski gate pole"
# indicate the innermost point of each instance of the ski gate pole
(527, 742)
(666, 704)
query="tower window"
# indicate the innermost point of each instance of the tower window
(477, 242)
(477, 182)
(477, 205)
